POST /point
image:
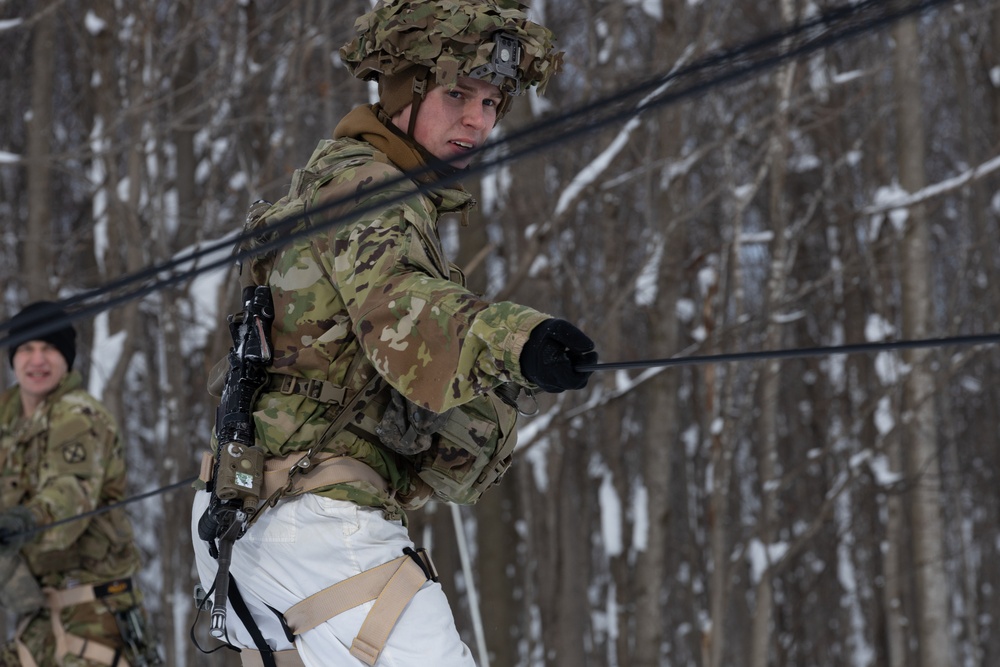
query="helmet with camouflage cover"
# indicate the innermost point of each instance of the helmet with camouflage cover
(410, 45)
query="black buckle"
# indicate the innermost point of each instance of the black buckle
(289, 634)
(115, 587)
(423, 559)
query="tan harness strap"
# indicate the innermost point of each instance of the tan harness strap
(92, 651)
(290, 658)
(323, 470)
(347, 594)
(392, 585)
(23, 654)
(374, 632)
(68, 597)
(66, 643)
(207, 467)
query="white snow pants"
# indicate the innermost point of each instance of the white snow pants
(307, 543)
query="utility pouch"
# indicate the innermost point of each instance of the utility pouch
(472, 451)
(19, 590)
(468, 451)
(407, 428)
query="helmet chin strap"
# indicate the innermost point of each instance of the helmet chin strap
(419, 92)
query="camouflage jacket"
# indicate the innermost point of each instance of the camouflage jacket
(64, 460)
(377, 295)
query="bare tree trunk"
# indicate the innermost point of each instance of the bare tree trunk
(573, 526)
(896, 618)
(993, 49)
(37, 251)
(976, 262)
(660, 445)
(185, 100)
(919, 387)
(658, 453)
(716, 387)
(501, 576)
(770, 380)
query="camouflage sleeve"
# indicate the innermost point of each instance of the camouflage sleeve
(436, 342)
(82, 452)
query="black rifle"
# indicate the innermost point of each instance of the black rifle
(238, 476)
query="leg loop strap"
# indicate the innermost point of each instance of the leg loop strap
(391, 585)
(69, 644)
(23, 654)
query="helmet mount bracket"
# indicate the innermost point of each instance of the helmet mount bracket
(502, 68)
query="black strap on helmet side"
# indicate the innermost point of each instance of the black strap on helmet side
(419, 92)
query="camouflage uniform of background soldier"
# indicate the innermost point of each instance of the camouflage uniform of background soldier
(61, 456)
(373, 309)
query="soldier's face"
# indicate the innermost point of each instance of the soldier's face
(39, 368)
(452, 123)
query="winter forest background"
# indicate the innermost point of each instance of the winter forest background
(832, 510)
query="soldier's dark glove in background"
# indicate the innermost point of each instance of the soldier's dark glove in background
(15, 523)
(554, 348)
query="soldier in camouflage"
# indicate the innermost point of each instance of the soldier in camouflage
(60, 456)
(373, 310)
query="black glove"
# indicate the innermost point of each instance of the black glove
(554, 349)
(15, 523)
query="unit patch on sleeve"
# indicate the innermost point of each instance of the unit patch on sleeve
(74, 452)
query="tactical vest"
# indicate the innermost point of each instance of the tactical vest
(455, 456)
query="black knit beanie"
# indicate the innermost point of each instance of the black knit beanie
(37, 314)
